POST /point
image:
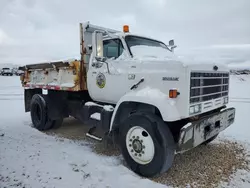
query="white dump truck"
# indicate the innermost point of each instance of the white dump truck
(134, 90)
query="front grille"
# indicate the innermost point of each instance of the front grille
(206, 86)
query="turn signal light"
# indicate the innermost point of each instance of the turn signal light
(173, 93)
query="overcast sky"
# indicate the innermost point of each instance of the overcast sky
(36, 30)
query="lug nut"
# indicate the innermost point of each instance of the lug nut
(137, 137)
(135, 154)
(133, 137)
(132, 150)
(130, 140)
(129, 145)
(143, 146)
(141, 141)
(142, 152)
(139, 155)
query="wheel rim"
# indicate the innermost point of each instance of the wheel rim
(140, 145)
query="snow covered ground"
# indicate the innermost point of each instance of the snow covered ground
(32, 159)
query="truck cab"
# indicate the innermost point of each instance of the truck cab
(178, 87)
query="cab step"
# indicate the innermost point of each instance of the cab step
(99, 116)
(91, 135)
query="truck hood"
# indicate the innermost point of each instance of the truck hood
(201, 64)
(177, 62)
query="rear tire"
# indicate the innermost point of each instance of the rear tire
(147, 144)
(39, 114)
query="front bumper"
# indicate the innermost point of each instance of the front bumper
(197, 132)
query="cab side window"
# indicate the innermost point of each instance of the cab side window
(112, 48)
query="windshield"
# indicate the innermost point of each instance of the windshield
(143, 47)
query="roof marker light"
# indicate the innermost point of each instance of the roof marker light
(125, 28)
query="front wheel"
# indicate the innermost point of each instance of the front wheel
(147, 144)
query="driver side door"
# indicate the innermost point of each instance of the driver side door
(108, 82)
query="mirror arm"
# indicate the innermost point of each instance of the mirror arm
(107, 67)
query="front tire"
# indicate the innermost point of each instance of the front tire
(147, 144)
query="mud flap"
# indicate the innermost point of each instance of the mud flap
(28, 94)
(197, 132)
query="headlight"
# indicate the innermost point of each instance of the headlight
(195, 109)
(191, 110)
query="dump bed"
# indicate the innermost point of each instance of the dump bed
(62, 75)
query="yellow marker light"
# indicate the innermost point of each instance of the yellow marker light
(173, 93)
(125, 28)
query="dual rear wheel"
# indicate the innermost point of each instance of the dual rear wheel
(39, 114)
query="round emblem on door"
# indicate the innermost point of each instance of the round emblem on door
(100, 80)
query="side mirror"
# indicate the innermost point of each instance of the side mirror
(171, 45)
(97, 50)
(97, 44)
